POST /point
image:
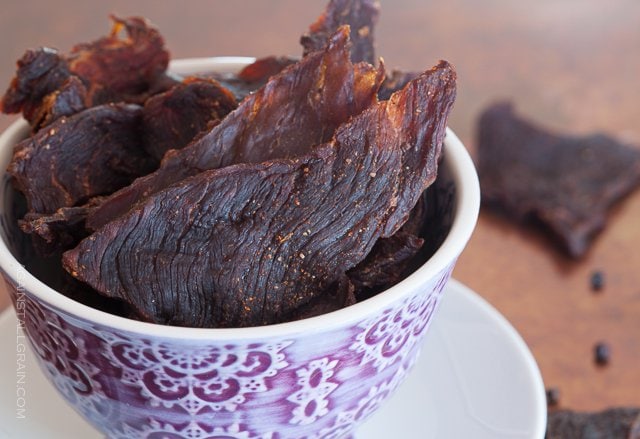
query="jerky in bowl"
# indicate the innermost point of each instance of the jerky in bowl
(315, 377)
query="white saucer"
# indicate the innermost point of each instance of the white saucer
(475, 379)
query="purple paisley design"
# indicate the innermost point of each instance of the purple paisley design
(316, 384)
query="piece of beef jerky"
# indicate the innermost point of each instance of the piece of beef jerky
(124, 65)
(250, 243)
(385, 265)
(296, 110)
(69, 99)
(337, 296)
(609, 424)
(360, 15)
(395, 82)
(55, 232)
(252, 76)
(565, 183)
(116, 68)
(40, 72)
(173, 118)
(634, 431)
(75, 158)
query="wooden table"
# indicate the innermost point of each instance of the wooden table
(571, 65)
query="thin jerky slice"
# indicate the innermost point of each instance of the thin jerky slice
(90, 153)
(173, 118)
(248, 244)
(360, 15)
(124, 65)
(253, 76)
(565, 183)
(40, 72)
(386, 263)
(69, 99)
(296, 110)
(608, 424)
(337, 296)
(394, 82)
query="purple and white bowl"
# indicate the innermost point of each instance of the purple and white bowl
(313, 378)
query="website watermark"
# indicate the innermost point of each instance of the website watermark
(21, 346)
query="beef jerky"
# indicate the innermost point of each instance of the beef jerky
(248, 244)
(395, 82)
(565, 183)
(124, 65)
(173, 118)
(252, 76)
(337, 296)
(360, 15)
(115, 68)
(296, 110)
(40, 72)
(608, 424)
(90, 153)
(386, 263)
(634, 431)
(69, 99)
(55, 232)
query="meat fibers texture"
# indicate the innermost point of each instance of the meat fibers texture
(248, 244)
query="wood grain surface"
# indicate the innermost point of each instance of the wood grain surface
(572, 65)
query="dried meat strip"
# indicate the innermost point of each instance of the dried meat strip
(124, 65)
(296, 110)
(248, 244)
(173, 118)
(394, 82)
(607, 424)
(253, 76)
(360, 15)
(69, 99)
(40, 72)
(115, 68)
(565, 183)
(90, 153)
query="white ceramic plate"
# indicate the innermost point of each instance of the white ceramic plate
(475, 379)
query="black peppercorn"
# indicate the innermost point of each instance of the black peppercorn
(601, 353)
(597, 280)
(553, 397)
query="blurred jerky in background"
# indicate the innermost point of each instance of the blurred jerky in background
(566, 184)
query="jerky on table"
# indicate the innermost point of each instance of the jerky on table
(249, 244)
(360, 15)
(173, 118)
(296, 110)
(608, 424)
(566, 183)
(91, 153)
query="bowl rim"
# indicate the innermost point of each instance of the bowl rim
(456, 158)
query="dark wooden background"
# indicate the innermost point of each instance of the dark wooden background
(573, 65)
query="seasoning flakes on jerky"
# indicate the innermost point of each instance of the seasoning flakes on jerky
(360, 15)
(608, 424)
(91, 153)
(565, 183)
(248, 244)
(173, 118)
(296, 110)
